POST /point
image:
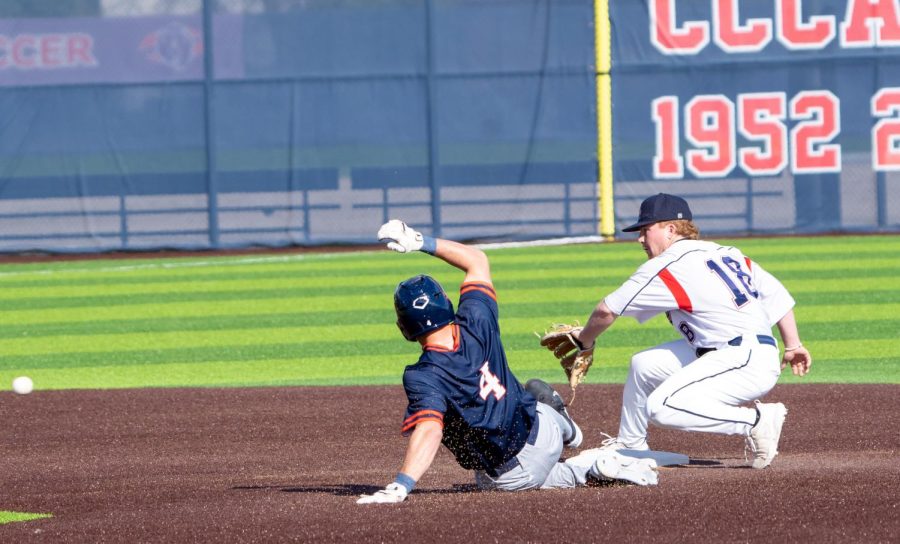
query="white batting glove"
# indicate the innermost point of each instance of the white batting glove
(400, 237)
(393, 493)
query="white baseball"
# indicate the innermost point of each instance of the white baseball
(23, 385)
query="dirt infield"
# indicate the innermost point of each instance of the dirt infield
(286, 464)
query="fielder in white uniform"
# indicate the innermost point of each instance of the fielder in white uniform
(724, 306)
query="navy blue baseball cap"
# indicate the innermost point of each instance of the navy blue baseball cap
(661, 207)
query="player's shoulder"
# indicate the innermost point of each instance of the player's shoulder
(476, 299)
(686, 246)
(477, 289)
(732, 251)
(683, 252)
(688, 250)
(421, 370)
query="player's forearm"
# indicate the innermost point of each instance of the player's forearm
(469, 259)
(423, 446)
(601, 319)
(787, 327)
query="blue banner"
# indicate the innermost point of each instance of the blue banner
(782, 116)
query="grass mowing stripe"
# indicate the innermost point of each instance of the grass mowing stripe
(101, 266)
(846, 305)
(286, 272)
(15, 347)
(369, 370)
(295, 275)
(791, 245)
(363, 369)
(9, 517)
(347, 296)
(229, 291)
(307, 293)
(188, 286)
(867, 370)
(818, 279)
(119, 316)
(847, 299)
(200, 323)
(616, 347)
(831, 248)
(293, 272)
(849, 321)
(385, 351)
(362, 335)
(847, 313)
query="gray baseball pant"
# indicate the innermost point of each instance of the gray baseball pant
(538, 464)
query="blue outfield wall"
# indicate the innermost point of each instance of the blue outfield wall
(308, 124)
(230, 124)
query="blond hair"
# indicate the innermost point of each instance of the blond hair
(685, 228)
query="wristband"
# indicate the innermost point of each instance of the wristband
(406, 481)
(579, 344)
(798, 346)
(429, 245)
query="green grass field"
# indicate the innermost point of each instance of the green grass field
(327, 319)
(9, 517)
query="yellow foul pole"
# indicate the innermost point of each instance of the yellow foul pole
(603, 63)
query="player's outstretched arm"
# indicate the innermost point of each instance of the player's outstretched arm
(404, 239)
(601, 319)
(423, 446)
(795, 354)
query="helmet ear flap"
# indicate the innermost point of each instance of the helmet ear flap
(403, 331)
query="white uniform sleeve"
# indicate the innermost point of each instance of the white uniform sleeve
(774, 296)
(643, 295)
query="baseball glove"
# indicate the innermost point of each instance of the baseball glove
(573, 357)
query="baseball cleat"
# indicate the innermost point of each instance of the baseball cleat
(575, 441)
(764, 436)
(542, 391)
(613, 466)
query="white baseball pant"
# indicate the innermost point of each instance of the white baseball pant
(670, 387)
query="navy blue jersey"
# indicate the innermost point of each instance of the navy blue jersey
(485, 412)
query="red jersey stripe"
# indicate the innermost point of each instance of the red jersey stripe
(749, 263)
(487, 292)
(418, 417)
(681, 297)
(485, 288)
(423, 413)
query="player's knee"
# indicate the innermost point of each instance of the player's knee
(656, 408)
(643, 367)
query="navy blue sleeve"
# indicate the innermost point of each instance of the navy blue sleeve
(425, 399)
(478, 304)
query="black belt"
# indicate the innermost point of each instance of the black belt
(512, 463)
(761, 338)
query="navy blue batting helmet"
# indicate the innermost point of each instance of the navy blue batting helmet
(422, 306)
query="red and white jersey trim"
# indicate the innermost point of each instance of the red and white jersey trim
(712, 293)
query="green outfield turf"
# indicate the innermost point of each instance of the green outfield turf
(327, 319)
(9, 517)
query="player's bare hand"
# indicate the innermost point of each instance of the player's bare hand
(799, 359)
(393, 493)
